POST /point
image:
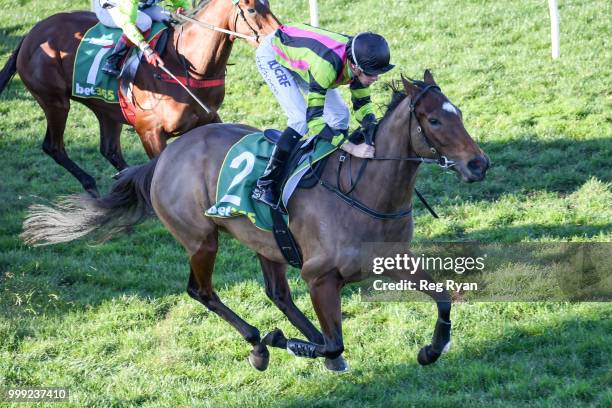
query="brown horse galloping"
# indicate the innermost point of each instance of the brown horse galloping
(45, 58)
(180, 185)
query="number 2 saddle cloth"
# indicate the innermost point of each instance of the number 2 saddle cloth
(246, 161)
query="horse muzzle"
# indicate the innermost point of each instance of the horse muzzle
(474, 170)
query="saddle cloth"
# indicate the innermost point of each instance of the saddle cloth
(88, 80)
(244, 163)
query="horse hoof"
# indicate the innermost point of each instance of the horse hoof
(338, 364)
(427, 356)
(259, 360)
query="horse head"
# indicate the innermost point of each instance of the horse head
(436, 130)
(252, 18)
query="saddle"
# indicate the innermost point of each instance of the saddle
(300, 153)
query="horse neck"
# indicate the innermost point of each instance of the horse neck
(205, 50)
(392, 181)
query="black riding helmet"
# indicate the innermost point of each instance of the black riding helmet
(370, 52)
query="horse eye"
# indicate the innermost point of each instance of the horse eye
(251, 11)
(434, 121)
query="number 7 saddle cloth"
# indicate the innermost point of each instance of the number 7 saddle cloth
(88, 80)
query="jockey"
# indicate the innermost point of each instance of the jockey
(314, 61)
(134, 17)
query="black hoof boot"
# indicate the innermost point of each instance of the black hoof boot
(275, 338)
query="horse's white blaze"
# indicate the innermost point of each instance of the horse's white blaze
(449, 107)
(446, 348)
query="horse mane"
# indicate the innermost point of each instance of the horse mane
(200, 6)
(398, 94)
(192, 12)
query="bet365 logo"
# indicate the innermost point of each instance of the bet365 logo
(90, 90)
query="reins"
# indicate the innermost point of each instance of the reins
(441, 160)
(213, 27)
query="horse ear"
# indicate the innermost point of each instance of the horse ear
(428, 78)
(410, 88)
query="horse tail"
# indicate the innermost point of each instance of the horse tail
(74, 216)
(10, 68)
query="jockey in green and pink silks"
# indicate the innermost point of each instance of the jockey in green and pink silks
(134, 17)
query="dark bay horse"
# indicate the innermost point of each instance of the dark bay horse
(45, 57)
(180, 185)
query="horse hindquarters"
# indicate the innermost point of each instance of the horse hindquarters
(180, 195)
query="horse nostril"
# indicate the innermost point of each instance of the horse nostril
(478, 165)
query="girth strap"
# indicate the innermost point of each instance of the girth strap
(284, 239)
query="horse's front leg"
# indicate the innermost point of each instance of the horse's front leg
(441, 340)
(325, 296)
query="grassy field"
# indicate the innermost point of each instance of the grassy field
(112, 321)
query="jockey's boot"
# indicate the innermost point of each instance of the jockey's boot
(267, 190)
(113, 62)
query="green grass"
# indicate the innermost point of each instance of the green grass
(112, 321)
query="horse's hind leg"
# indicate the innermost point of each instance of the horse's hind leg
(53, 145)
(325, 296)
(277, 289)
(110, 141)
(200, 288)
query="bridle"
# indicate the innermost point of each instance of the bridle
(239, 13)
(440, 160)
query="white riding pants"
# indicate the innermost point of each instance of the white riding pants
(289, 89)
(144, 19)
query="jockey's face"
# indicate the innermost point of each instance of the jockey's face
(365, 80)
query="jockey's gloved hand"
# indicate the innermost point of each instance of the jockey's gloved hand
(151, 55)
(363, 151)
(369, 124)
